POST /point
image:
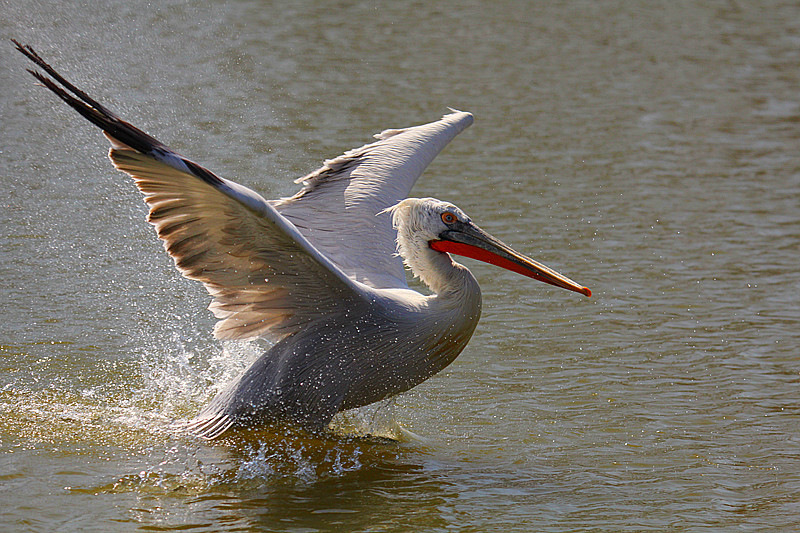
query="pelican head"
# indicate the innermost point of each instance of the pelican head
(428, 229)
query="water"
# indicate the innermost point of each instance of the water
(646, 150)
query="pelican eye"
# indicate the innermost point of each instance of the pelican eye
(448, 217)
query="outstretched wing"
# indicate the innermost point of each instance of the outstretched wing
(265, 277)
(340, 207)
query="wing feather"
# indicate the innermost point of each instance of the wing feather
(340, 208)
(266, 278)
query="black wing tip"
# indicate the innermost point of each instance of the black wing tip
(19, 46)
(104, 119)
(26, 49)
(87, 106)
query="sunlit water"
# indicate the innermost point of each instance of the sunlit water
(649, 151)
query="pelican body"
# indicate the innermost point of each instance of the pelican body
(320, 273)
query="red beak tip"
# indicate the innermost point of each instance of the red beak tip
(587, 292)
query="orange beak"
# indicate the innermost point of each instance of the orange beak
(468, 240)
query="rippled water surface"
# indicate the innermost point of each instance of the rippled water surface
(649, 151)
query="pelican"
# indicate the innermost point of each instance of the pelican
(320, 273)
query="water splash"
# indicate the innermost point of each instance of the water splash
(130, 410)
(178, 379)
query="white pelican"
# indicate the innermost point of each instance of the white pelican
(319, 273)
